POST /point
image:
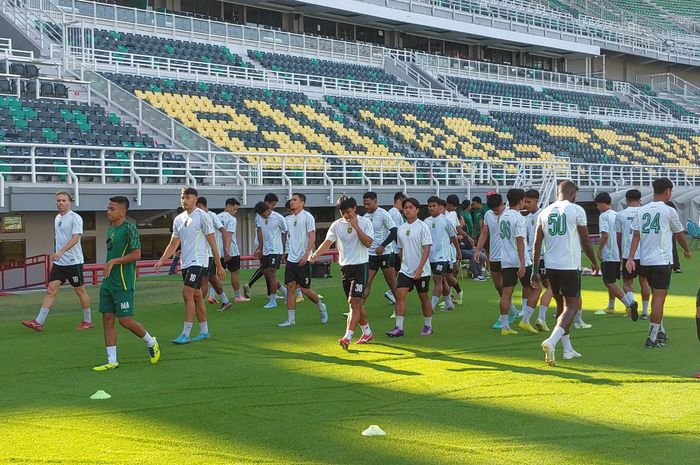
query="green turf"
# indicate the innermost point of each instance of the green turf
(256, 393)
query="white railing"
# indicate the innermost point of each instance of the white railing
(692, 120)
(630, 114)
(668, 82)
(40, 20)
(495, 102)
(647, 102)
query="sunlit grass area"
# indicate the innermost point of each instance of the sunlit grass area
(256, 393)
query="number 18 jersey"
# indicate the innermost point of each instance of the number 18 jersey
(656, 223)
(561, 243)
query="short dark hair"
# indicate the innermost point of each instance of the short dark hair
(301, 196)
(261, 207)
(399, 196)
(532, 194)
(269, 198)
(346, 203)
(633, 194)
(232, 201)
(603, 197)
(179, 210)
(202, 201)
(443, 203)
(452, 199)
(515, 195)
(661, 184)
(412, 201)
(288, 204)
(370, 195)
(121, 200)
(434, 199)
(477, 199)
(494, 201)
(189, 191)
(568, 187)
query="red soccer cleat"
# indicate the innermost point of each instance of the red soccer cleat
(212, 300)
(365, 339)
(84, 325)
(33, 324)
(344, 343)
(697, 375)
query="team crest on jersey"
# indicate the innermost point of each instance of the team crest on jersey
(266, 221)
(408, 232)
(295, 222)
(433, 225)
(349, 229)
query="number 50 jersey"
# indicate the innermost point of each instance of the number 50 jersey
(562, 243)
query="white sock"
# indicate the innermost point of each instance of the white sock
(41, 317)
(348, 335)
(320, 305)
(661, 326)
(148, 339)
(273, 297)
(298, 292)
(645, 307)
(434, 301)
(112, 354)
(290, 314)
(399, 321)
(365, 329)
(543, 313)
(237, 293)
(557, 334)
(87, 315)
(428, 321)
(611, 303)
(527, 313)
(626, 301)
(504, 321)
(224, 298)
(566, 342)
(187, 328)
(212, 292)
(523, 304)
(630, 295)
(284, 291)
(448, 301)
(579, 317)
(203, 328)
(653, 331)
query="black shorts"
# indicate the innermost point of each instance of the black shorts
(509, 277)
(71, 273)
(270, 261)
(659, 276)
(381, 261)
(298, 274)
(626, 274)
(192, 276)
(450, 268)
(495, 267)
(610, 272)
(565, 282)
(232, 264)
(422, 285)
(211, 269)
(397, 261)
(543, 270)
(354, 279)
(439, 268)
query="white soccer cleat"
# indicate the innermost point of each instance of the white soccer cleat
(548, 349)
(390, 297)
(582, 325)
(571, 354)
(323, 312)
(286, 324)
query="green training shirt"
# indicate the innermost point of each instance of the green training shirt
(121, 240)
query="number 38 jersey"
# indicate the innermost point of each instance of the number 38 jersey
(656, 223)
(562, 244)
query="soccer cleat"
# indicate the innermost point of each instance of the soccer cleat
(459, 297)
(200, 337)
(365, 339)
(571, 354)
(246, 291)
(525, 326)
(697, 375)
(33, 324)
(84, 325)
(653, 344)
(396, 332)
(182, 339)
(441, 305)
(609, 311)
(344, 343)
(106, 367)
(427, 331)
(154, 352)
(212, 300)
(644, 316)
(392, 316)
(390, 297)
(497, 325)
(542, 326)
(299, 299)
(548, 350)
(270, 305)
(241, 299)
(634, 311)
(287, 323)
(479, 278)
(225, 306)
(323, 314)
(512, 316)
(582, 325)
(627, 313)
(662, 337)
(447, 308)
(508, 332)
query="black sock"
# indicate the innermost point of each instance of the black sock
(257, 275)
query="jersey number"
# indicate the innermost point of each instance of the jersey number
(557, 224)
(505, 229)
(650, 223)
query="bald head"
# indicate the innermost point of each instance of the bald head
(567, 191)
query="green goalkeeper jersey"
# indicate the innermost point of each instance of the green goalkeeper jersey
(121, 240)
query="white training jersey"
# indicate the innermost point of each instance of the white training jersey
(230, 223)
(350, 250)
(562, 243)
(531, 223)
(607, 223)
(411, 238)
(441, 231)
(298, 228)
(491, 221)
(192, 228)
(65, 226)
(382, 222)
(656, 223)
(397, 216)
(624, 226)
(216, 222)
(453, 219)
(272, 229)
(511, 225)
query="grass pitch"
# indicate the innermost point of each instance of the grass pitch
(256, 393)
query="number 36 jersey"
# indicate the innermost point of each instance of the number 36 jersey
(561, 243)
(656, 223)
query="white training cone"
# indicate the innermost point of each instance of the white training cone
(600, 312)
(100, 395)
(374, 430)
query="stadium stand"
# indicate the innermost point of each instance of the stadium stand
(689, 8)
(585, 101)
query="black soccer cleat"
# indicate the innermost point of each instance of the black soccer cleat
(653, 344)
(662, 338)
(634, 311)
